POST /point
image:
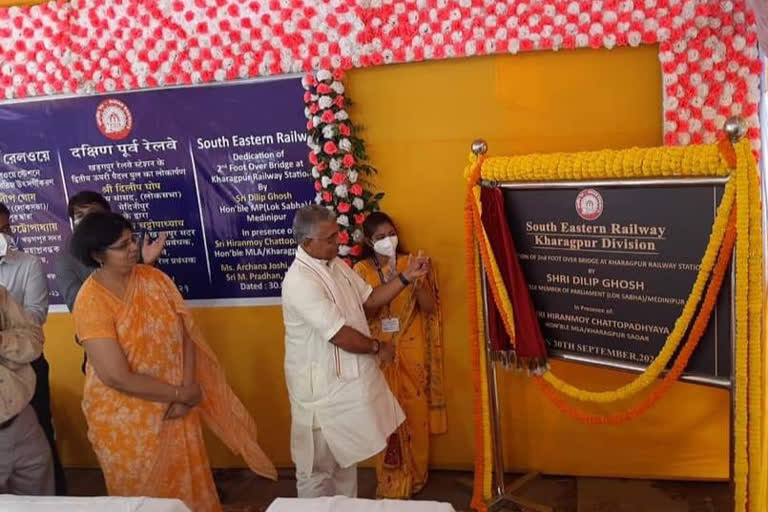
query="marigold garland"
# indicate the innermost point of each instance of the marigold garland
(479, 370)
(755, 376)
(661, 361)
(697, 331)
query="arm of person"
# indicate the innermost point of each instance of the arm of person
(383, 295)
(36, 292)
(151, 250)
(354, 341)
(67, 280)
(313, 305)
(111, 366)
(21, 342)
(189, 361)
(424, 296)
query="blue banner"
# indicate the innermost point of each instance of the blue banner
(221, 169)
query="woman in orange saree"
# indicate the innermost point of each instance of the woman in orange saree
(151, 378)
(411, 322)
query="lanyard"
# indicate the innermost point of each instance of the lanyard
(379, 269)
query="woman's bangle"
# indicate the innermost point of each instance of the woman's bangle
(403, 279)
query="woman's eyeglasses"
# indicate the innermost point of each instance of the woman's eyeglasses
(121, 246)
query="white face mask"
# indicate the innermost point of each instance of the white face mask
(386, 246)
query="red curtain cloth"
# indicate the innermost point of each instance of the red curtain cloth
(760, 7)
(530, 347)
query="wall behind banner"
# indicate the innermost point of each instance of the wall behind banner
(419, 121)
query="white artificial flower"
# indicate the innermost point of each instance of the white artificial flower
(342, 220)
(335, 164)
(352, 176)
(337, 87)
(358, 203)
(315, 172)
(325, 181)
(357, 235)
(345, 145)
(307, 114)
(318, 198)
(316, 120)
(329, 131)
(341, 191)
(325, 102)
(344, 250)
(342, 115)
(324, 74)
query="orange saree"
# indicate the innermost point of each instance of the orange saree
(416, 379)
(140, 453)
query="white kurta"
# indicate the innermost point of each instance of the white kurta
(343, 394)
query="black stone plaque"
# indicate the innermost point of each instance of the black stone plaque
(609, 269)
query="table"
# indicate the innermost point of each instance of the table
(343, 504)
(9, 503)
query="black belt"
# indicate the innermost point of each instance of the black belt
(7, 423)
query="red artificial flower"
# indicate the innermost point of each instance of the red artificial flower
(323, 89)
(348, 261)
(338, 74)
(343, 237)
(322, 166)
(344, 208)
(359, 218)
(327, 196)
(348, 160)
(338, 178)
(318, 185)
(309, 78)
(327, 117)
(356, 250)
(339, 101)
(356, 190)
(310, 125)
(345, 130)
(313, 108)
(307, 97)
(330, 148)
(313, 159)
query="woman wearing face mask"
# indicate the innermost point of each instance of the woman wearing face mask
(151, 379)
(412, 323)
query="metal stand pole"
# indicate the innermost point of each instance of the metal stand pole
(503, 499)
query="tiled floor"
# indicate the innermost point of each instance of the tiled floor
(242, 491)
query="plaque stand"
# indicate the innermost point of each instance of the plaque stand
(507, 498)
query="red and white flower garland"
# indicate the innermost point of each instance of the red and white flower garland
(707, 48)
(338, 159)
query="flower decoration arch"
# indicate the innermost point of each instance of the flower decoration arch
(707, 48)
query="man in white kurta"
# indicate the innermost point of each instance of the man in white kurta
(342, 410)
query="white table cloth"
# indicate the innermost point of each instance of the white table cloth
(342, 504)
(9, 503)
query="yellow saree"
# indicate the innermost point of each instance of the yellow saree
(416, 379)
(140, 452)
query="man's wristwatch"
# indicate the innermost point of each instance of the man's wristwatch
(403, 279)
(376, 346)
